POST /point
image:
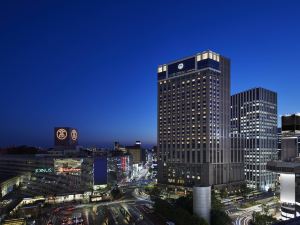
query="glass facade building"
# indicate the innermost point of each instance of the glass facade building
(254, 128)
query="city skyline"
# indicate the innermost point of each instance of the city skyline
(90, 70)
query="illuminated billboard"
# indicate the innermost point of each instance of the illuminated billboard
(100, 171)
(65, 136)
(68, 166)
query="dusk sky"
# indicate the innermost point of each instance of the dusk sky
(92, 64)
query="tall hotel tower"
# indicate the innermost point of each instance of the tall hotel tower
(194, 122)
(254, 126)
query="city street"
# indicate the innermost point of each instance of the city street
(132, 208)
(110, 213)
(244, 216)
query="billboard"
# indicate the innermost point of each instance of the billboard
(65, 136)
(68, 166)
(100, 171)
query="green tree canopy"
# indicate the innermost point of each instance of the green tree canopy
(178, 215)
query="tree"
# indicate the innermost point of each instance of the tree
(245, 190)
(223, 193)
(115, 193)
(155, 191)
(261, 219)
(215, 202)
(177, 214)
(265, 209)
(150, 170)
(185, 203)
(219, 217)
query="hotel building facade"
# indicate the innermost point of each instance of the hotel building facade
(194, 122)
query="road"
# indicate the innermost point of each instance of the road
(133, 208)
(109, 213)
(243, 217)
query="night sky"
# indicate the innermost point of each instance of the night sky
(92, 65)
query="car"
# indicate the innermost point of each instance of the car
(70, 208)
(57, 209)
(170, 223)
(70, 222)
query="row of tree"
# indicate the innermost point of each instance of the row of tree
(181, 211)
(176, 214)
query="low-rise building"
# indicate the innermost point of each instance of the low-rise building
(8, 182)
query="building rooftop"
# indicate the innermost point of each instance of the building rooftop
(255, 88)
(205, 54)
(284, 167)
(5, 177)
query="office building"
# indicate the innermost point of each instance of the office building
(279, 138)
(138, 154)
(10, 182)
(254, 124)
(119, 168)
(289, 167)
(290, 137)
(194, 122)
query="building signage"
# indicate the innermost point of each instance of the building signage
(74, 135)
(68, 170)
(61, 134)
(180, 66)
(68, 166)
(43, 170)
(184, 66)
(65, 136)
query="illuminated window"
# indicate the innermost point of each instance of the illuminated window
(214, 57)
(204, 55)
(210, 55)
(165, 68)
(198, 58)
(160, 69)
